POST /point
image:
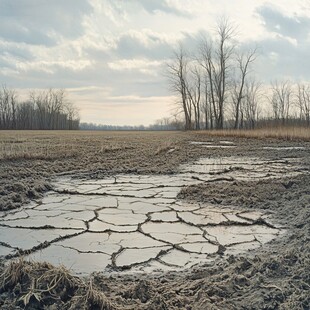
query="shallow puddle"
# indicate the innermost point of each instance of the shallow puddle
(224, 144)
(214, 145)
(137, 222)
(284, 148)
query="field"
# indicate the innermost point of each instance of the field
(256, 180)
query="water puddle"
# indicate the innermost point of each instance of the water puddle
(223, 144)
(284, 148)
(137, 223)
(230, 144)
(214, 145)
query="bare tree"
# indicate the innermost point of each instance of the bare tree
(26, 118)
(55, 106)
(224, 52)
(281, 100)
(303, 102)
(38, 101)
(178, 75)
(8, 108)
(243, 62)
(215, 58)
(251, 102)
(72, 115)
(207, 62)
(193, 88)
(207, 104)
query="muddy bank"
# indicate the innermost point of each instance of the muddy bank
(276, 276)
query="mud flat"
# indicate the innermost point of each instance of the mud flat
(136, 221)
(196, 228)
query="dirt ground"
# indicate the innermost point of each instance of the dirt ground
(276, 276)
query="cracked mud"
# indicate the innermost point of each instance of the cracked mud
(137, 222)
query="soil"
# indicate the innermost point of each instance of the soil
(275, 276)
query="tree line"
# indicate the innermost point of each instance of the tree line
(165, 123)
(44, 109)
(216, 87)
(93, 126)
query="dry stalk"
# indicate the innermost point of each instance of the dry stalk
(31, 293)
(96, 298)
(164, 147)
(57, 279)
(14, 273)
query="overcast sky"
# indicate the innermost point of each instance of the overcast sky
(110, 54)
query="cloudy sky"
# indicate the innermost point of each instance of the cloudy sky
(110, 55)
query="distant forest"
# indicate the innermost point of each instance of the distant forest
(44, 109)
(161, 124)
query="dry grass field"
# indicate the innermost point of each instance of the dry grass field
(63, 144)
(51, 145)
(282, 133)
(275, 276)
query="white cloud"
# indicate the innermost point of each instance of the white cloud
(52, 66)
(110, 53)
(145, 66)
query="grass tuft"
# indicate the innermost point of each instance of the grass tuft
(165, 147)
(96, 299)
(14, 273)
(41, 284)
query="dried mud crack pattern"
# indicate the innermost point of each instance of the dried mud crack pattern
(137, 222)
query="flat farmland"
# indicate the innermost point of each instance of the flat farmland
(154, 220)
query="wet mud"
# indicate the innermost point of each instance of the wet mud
(130, 221)
(193, 228)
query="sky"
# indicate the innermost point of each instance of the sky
(111, 55)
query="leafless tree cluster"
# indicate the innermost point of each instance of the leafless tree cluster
(251, 109)
(244, 92)
(215, 78)
(8, 108)
(281, 100)
(46, 109)
(289, 100)
(303, 102)
(178, 75)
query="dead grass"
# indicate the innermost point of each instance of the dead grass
(113, 148)
(14, 273)
(38, 283)
(165, 147)
(51, 145)
(94, 298)
(16, 145)
(282, 133)
(32, 150)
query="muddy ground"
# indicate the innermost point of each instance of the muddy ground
(276, 276)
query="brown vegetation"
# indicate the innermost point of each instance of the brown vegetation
(282, 133)
(274, 277)
(41, 284)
